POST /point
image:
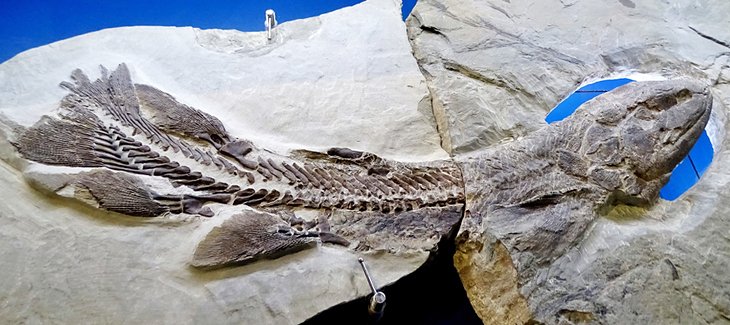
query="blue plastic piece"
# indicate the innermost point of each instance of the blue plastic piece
(569, 105)
(687, 172)
(702, 154)
(682, 178)
(407, 7)
(605, 85)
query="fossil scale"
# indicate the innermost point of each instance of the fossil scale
(539, 193)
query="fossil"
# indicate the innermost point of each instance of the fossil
(551, 184)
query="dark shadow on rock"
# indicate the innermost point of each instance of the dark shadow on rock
(628, 3)
(433, 294)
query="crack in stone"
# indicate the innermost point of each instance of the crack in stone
(439, 116)
(472, 74)
(440, 119)
(708, 37)
(431, 29)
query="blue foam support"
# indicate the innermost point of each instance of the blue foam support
(569, 105)
(407, 7)
(702, 154)
(605, 85)
(682, 178)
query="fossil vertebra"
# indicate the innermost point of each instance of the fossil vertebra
(618, 149)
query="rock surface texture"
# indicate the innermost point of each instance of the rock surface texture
(537, 196)
(495, 68)
(229, 179)
(344, 79)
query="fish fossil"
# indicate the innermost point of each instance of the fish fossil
(539, 194)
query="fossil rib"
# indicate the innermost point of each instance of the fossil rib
(620, 148)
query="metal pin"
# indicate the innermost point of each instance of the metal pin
(270, 23)
(377, 301)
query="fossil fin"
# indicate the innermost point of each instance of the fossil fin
(172, 116)
(248, 237)
(120, 192)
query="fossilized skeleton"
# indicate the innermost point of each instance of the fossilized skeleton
(618, 149)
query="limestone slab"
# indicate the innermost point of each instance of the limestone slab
(512, 61)
(343, 79)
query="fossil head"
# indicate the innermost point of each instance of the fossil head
(638, 133)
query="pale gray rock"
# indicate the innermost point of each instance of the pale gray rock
(331, 79)
(536, 198)
(511, 62)
(114, 258)
(340, 70)
(532, 203)
(495, 68)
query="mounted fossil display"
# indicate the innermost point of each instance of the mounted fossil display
(140, 152)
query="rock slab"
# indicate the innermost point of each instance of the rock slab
(494, 70)
(344, 79)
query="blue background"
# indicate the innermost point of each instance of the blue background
(26, 24)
